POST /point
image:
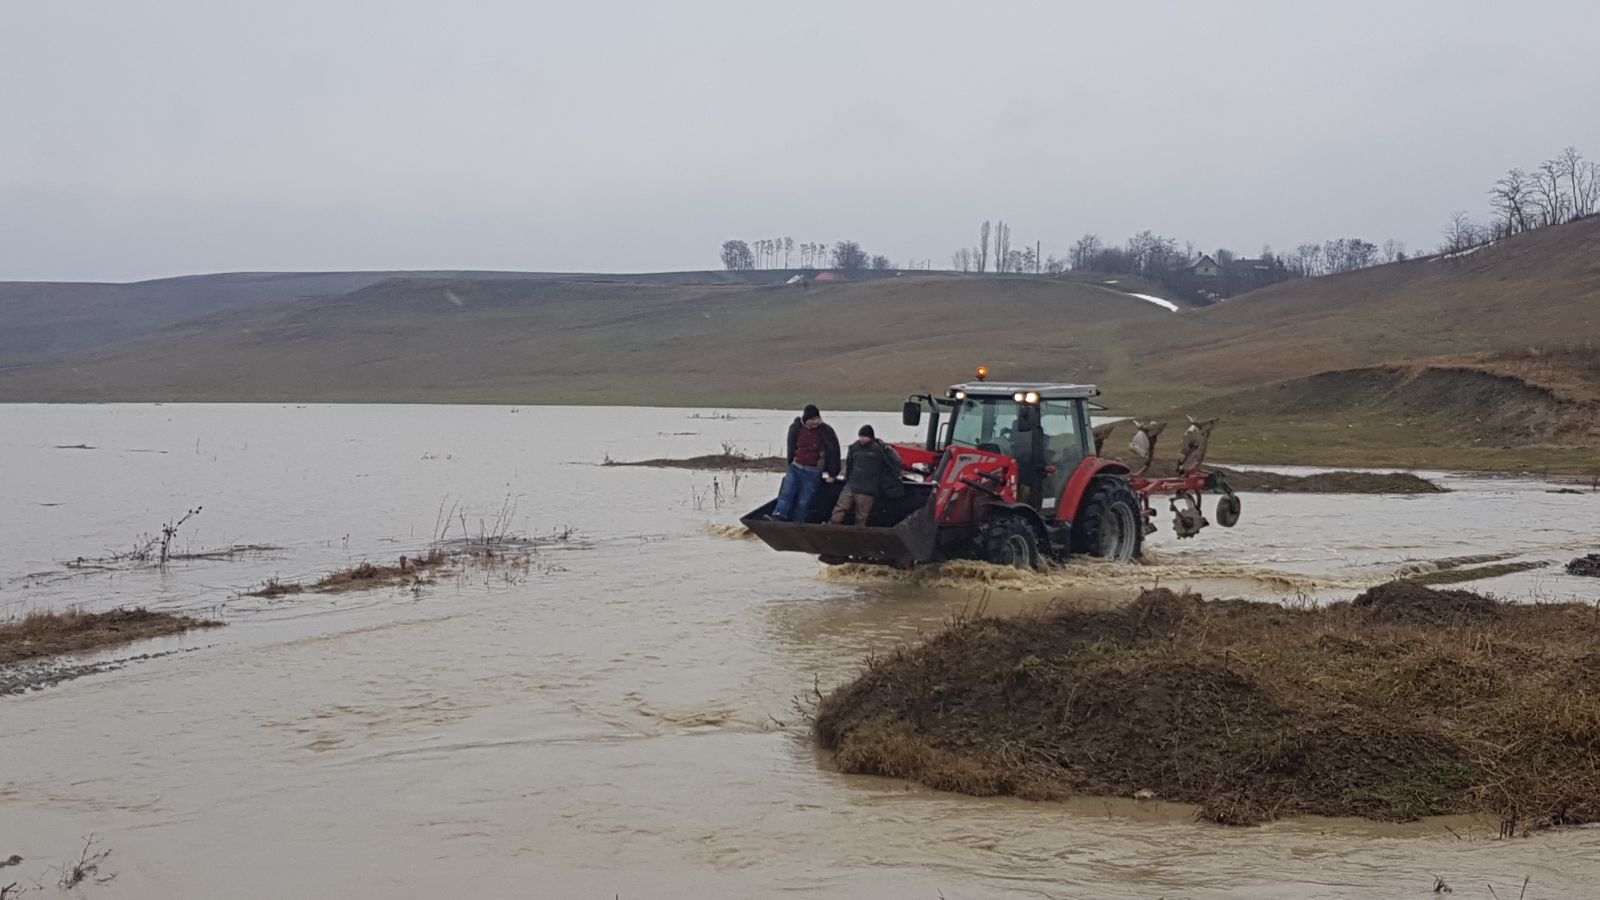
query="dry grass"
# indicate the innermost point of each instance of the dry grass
(1407, 702)
(40, 635)
(363, 576)
(276, 588)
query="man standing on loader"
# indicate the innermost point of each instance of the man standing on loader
(813, 452)
(872, 470)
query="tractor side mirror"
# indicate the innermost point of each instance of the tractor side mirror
(1027, 418)
(911, 414)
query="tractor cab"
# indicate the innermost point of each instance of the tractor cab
(1043, 427)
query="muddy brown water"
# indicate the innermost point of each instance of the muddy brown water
(615, 718)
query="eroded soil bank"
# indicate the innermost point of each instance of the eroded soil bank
(1405, 702)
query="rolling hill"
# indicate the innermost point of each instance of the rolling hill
(557, 340)
(1397, 363)
(1537, 289)
(45, 319)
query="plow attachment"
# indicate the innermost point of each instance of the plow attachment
(911, 540)
(1190, 480)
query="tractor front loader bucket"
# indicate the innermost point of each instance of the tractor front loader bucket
(907, 542)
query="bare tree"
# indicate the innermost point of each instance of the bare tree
(962, 260)
(1510, 197)
(1462, 233)
(1030, 260)
(1084, 251)
(1055, 266)
(1002, 246)
(1583, 191)
(1394, 251)
(882, 263)
(1308, 260)
(1549, 194)
(1591, 188)
(1569, 166)
(788, 248)
(983, 246)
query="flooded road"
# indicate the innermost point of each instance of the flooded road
(617, 716)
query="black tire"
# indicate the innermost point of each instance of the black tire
(1110, 521)
(1228, 511)
(1009, 541)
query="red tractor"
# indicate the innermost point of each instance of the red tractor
(1011, 474)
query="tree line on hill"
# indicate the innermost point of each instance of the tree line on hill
(739, 256)
(1561, 189)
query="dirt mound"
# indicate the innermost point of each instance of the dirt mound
(1412, 602)
(1588, 565)
(52, 634)
(1388, 710)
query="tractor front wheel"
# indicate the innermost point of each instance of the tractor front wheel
(1109, 521)
(1009, 541)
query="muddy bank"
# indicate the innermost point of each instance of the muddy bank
(719, 462)
(1406, 702)
(1254, 481)
(43, 635)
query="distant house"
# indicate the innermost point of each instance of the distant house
(1204, 267)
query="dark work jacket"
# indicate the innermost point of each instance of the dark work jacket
(873, 469)
(830, 445)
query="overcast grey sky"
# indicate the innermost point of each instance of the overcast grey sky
(161, 137)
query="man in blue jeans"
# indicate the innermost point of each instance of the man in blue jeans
(813, 452)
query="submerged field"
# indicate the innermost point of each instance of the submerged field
(616, 718)
(1403, 703)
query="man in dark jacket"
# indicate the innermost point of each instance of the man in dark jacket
(871, 470)
(813, 452)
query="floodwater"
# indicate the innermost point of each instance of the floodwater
(612, 716)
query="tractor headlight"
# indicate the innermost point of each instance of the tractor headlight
(961, 395)
(1033, 397)
(1018, 396)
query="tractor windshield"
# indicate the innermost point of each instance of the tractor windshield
(987, 423)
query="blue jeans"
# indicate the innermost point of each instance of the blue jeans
(794, 498)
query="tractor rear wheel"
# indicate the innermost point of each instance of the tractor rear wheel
(1110, 521)
(1009, 541)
